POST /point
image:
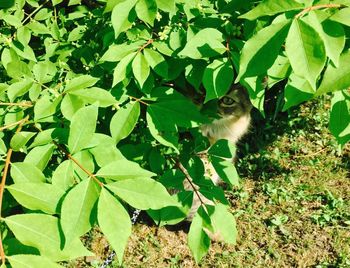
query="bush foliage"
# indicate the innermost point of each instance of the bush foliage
(100, 109)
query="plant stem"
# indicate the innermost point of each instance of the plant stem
(150, 41)
(69, 156)
(308, 9)
(20, 122)
(23, 104)
(139, 100)
(3, 182)
(34, 11)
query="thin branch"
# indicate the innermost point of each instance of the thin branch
(22, 104)
(3, 182)
(189, 179)
(308, 9)
(69, 156)
(150, 41)
(139, 100)
(20, 122)
(34, 11)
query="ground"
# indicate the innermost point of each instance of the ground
(292, 208)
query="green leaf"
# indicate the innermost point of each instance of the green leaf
(6, 4)
(77, 33)
(31, 261)
(48, 135)
(124, 121)
(80, 82)
(45, 107)
(26, 172)
(260, 52)
(122, 69)
(146, 10)
(37, 196)
(140, 68)
(111, 4)
(18, 89)
(336, 78)
(166, 5)
(223, 148)
(12, 20)
(44, 71)
(217, 79)
(205, 43)
(70, 105)
(23, 51)
(76, 209)
(95, 94)
(156, 61)
(306, 51)
(116, 52)
(40, 156)
(20, 139)
(340, 117)
(271, 7)
(296, 91)
(142, 193)
(114, 222)
(82, 128)
(63, 176)
(122, 170)
(342, 16)
(224, 224)
(42, 232)
(198, 240)
(226, 170)
(86, 160)
(121, 19)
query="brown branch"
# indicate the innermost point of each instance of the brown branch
(23, 104)
(69, 156)
(3, 182)
(20, 122)
(139, 100)
(308, 9)
(34, 11)
(150, 41)
(189, 179)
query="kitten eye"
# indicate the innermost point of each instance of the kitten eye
(227, 100)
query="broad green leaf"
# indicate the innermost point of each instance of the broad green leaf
(63, 175)
(121, 15)
(205, 43)
(43, 14)
(123, 68)
(336, 78)
(142, 193)
(31, 261)
(124, 121)
(146, 10)
(23, 51)
(331, 33)
(38, 28)
(76, 209)
(296, 91)
(85, 159)
(224, 224)
(82, 128)
(223, 149)
(198, 240)
(114, 222)
(217, 79)
(77, 33)
(340, 116)
(194, 73)
(278, 71)
(156, 61)
(342, 16)
(80, 82)
(42, 232)
(140, 68)
(18, 89)
(6, 4)
(166, 5)
(45, 107)
(116, 52)
(40, 156)
(20, 139)
(122, 170)
(37, 196)
(111, 4)
(44, 71)
(12, 20)
(226, 170)
(260, 52)
(26, 172)
(99, 152)
(48, 135)
(95, 94)
(23, 35)
(306, 51)
(271, 7)
(70, 105)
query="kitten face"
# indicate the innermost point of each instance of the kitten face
(235, 103)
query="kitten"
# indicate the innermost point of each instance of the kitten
(234, 112)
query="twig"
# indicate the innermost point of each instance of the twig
(69, 156)
(189, 179)
(20, 122)
(23, 104)
(3, 182)
(150, 41)
(139, 100)
(34, 11)
(308, 9)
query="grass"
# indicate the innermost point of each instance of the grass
(292, 209)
